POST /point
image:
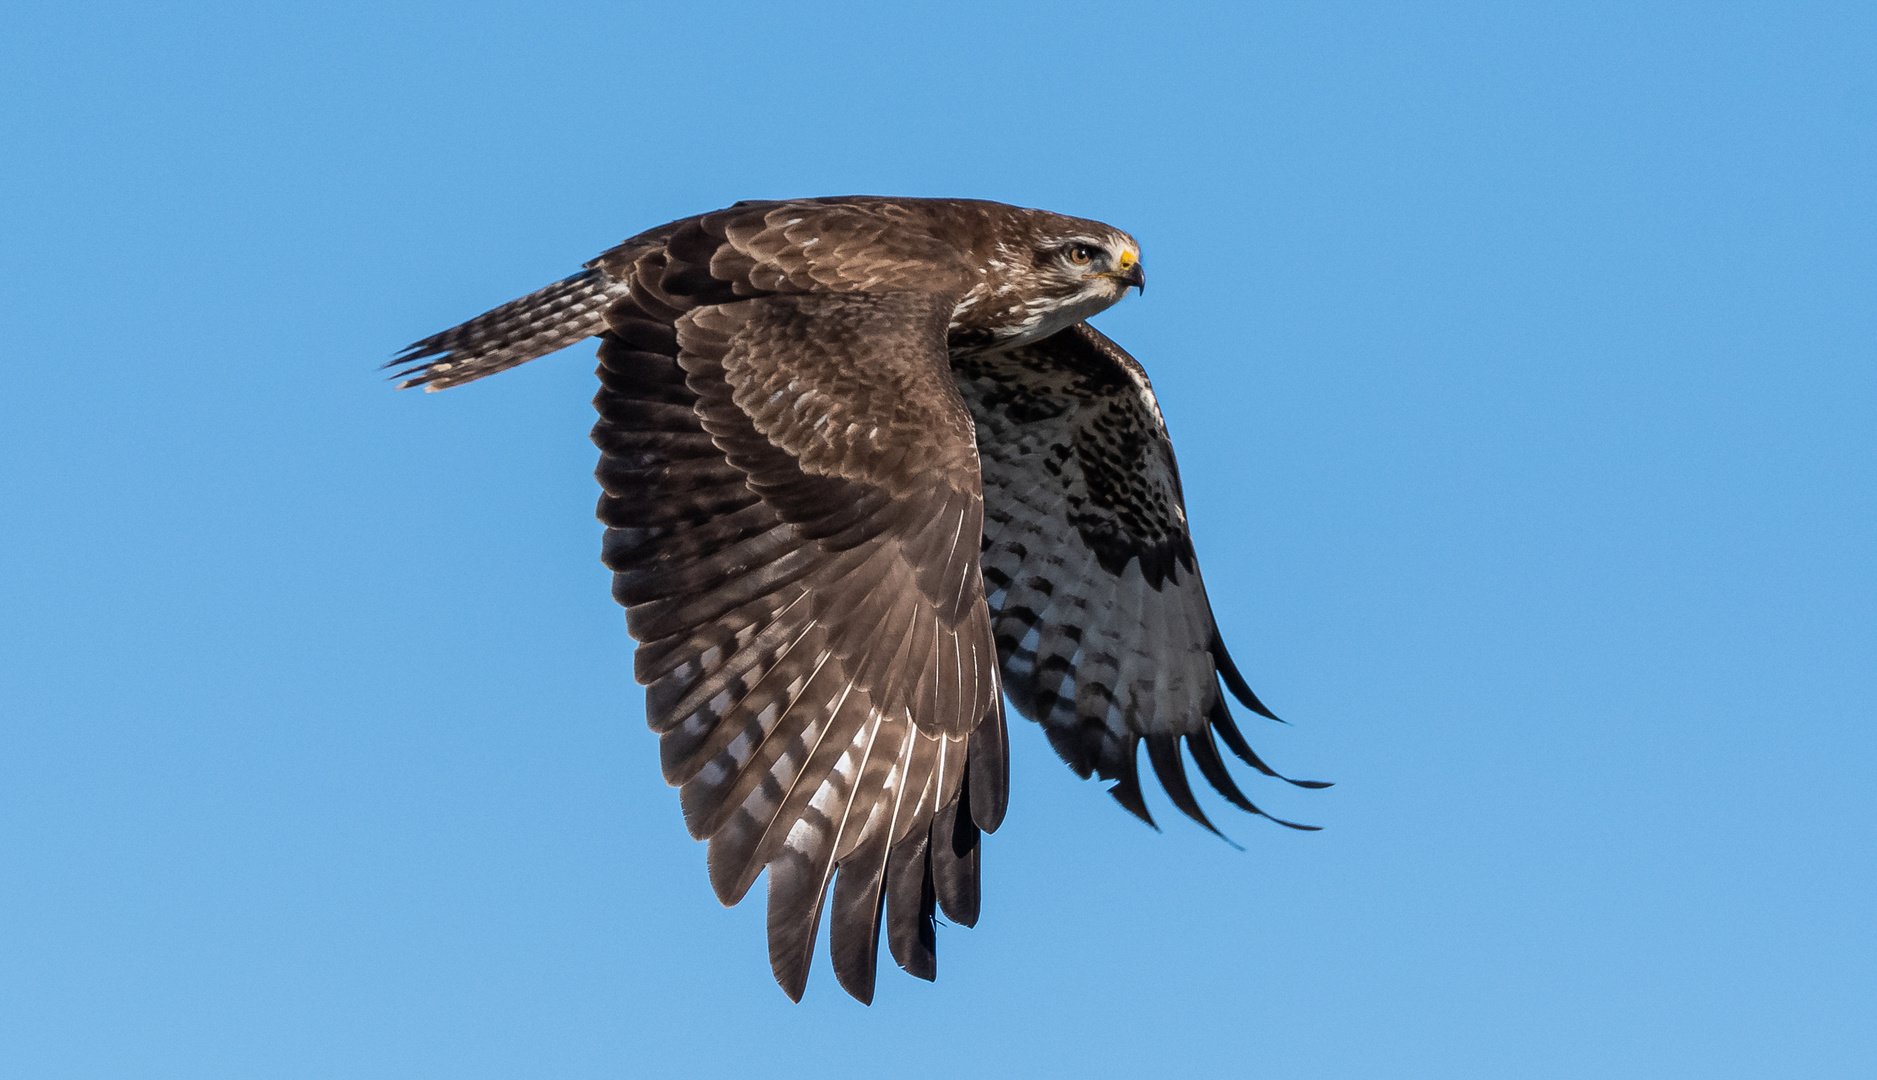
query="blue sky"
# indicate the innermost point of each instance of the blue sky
(1520, 360)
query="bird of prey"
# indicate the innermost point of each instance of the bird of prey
(867, 471)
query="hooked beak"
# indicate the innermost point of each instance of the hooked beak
(1129, 272)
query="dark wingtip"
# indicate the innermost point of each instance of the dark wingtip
(1163, 752)
(1212, 767)
(859, 907)
(858, 983)
(1235, 682)
(954, 861)
(1127, 786)
(1296, 825)
(1221, 719)
(987, 769)
(911, 901)
(792, 980)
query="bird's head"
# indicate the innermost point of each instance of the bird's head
(1063, 271)
(1093, 267)
(1085, 267)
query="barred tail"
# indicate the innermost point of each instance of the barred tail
(515, 333)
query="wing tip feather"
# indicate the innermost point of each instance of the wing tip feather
(1235, 681)
(1163, 751)
(1127, 786)
(1221, 721)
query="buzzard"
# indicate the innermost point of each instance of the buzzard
(867, 473)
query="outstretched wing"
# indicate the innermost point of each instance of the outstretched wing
(1101, 619)
(793, 510)
(793, 498)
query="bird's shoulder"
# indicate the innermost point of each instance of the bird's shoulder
(852, 243)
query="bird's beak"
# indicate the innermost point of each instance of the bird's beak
(1129, 272)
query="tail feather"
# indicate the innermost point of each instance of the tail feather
(515, 333)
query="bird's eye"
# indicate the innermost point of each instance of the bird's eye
(1081, 254)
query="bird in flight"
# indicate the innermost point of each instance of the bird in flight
(867, 472)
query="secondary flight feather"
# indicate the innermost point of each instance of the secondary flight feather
(867, 472)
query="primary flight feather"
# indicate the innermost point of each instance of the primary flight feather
(867, 471)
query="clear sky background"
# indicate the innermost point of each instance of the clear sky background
(1520, 361)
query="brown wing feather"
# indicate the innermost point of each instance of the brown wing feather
(793, 504)
(796, 555)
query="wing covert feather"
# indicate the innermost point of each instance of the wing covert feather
(838, 545)
(793, 502)
(1100, 615)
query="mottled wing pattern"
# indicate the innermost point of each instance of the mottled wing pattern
(817, 650)
(812, 471)
(793, 510)
(750, 249)
(1101, 619)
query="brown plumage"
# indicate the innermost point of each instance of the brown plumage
(826, 425)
